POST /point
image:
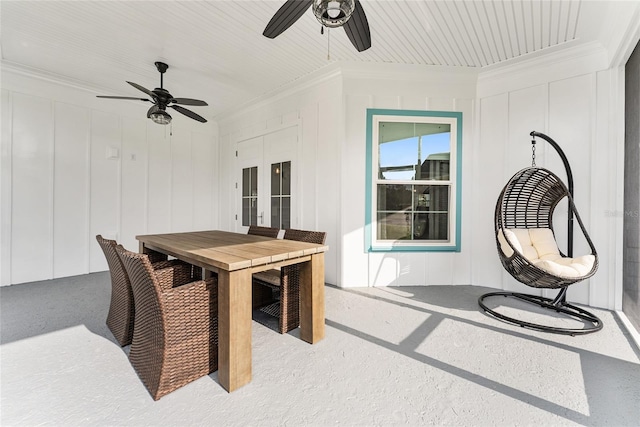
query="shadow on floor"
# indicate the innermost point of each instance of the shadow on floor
(38, 308)
(601, 373)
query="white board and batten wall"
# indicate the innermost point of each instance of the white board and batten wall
(60, 193)
(74, 166)
(570, 98)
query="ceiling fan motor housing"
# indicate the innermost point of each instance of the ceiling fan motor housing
(333, 13)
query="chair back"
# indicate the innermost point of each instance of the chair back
(257, 230)
(305, 236)
(121, 310)
(116, 269)
(146, 294)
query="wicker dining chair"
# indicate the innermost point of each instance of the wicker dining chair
(175, 336)
(262, 295)
(121, 308)
(258, 230)
(286, 283)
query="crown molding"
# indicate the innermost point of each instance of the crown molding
(32, 72)
(547, 65)
(301, 84)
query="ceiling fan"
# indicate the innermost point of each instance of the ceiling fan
(161, 99)
(331, 13)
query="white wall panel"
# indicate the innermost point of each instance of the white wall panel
(133, 214)
(182, 181)
(356, 269)
(71, 190)
(329, 172)
(5, 187)
(488, 180)
(527, 112)
(105, 183)
(59, 188)
(570, 125)
(31, 204)
(461, 262)
(602, 227)
(159, 189)
(310, 179)
(204, 165)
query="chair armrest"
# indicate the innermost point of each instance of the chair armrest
(175, 275)
(192, 301)
(165, 264)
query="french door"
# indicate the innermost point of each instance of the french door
(266, 184)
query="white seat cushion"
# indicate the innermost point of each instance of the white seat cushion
(539, 247)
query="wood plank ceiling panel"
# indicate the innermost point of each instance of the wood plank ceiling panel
(216, 51)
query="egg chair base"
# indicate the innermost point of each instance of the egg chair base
(558, 305)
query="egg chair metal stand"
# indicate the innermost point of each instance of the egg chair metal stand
(527, 202)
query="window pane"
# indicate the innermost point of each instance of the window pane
(253, 211)
(246, 181)
(254, 181)
(394, 226)
(416, 212)
(408, 151)
(245, 212)
(394, 197)
(286, 212)
(276, 174)
(286, 178)
(275, 212)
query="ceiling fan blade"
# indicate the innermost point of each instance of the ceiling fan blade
(289, 13)
(143, 89)
(357, 29)
(122, 97)
(152, 110)
(188, 113)
(188, 101)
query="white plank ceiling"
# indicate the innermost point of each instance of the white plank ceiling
(216, 51)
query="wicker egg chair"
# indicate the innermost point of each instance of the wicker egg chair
(527, 248)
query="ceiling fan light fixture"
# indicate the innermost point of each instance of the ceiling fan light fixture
(160, 117)
(333, 13)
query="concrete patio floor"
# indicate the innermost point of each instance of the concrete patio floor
(391, 356)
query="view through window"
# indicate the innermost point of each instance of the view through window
(413, 168)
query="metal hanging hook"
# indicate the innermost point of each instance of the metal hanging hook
(533, 152)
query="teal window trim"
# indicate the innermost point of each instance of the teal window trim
(424, 247)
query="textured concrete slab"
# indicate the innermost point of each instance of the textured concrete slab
(391, 356)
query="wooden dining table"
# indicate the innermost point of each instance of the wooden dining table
(235, 257)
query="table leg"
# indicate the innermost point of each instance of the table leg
(312, 299)
(234, 328)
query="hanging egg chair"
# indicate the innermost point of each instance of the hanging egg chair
(527, 248)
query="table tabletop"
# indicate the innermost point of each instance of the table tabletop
(216, 249)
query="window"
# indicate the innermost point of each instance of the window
(413, 180)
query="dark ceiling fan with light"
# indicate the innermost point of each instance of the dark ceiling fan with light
(161, 99)
(330, 13)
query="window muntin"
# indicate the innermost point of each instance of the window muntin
(413, 166)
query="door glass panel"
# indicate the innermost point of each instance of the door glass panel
(281, 194)
(275, 212)
(275, 178)
(286, 178)
(286, 212)
(250, 196)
